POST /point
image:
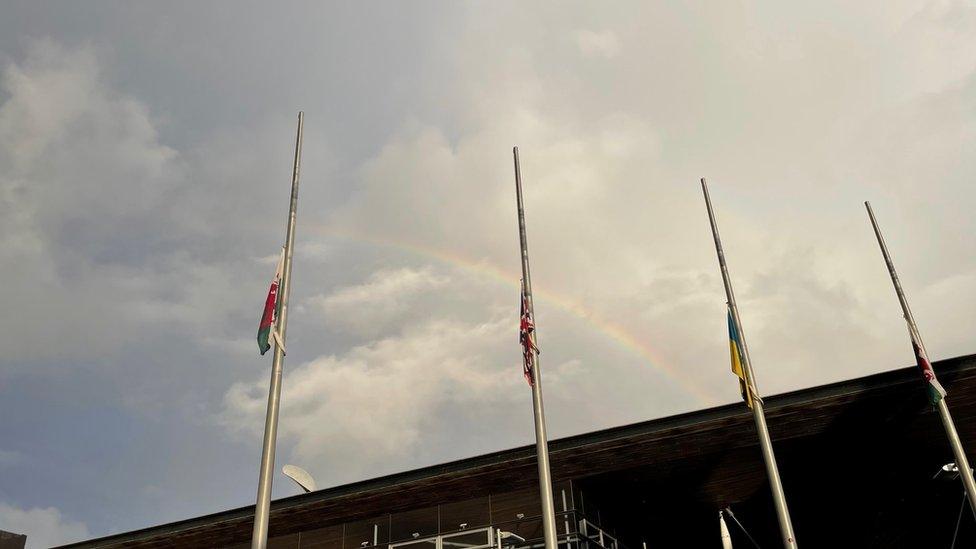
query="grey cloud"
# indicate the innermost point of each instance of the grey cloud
(145, 177)
(46, 527)
(383, 299)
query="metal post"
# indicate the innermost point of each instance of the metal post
(723, 531)
(775, 484)
(259, 536)
(541, 442)
(950, 427)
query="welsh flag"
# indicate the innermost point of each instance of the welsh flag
(932, 385)
(527, 337)
(268, 328)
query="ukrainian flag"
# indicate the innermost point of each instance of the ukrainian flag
(735, 350)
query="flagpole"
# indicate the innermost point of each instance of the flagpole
(723, 531)
(765, 443)
(541, 442)
(262, 507)
(950, 427)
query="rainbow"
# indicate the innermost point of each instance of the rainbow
(610, 329)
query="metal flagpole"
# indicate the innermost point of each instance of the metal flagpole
(541, 442)
(259, 536)
(723, 531)
(779, 498)
(950, 428)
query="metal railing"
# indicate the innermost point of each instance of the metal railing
(574, 532)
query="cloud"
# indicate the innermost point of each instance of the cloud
(376, 403)
(603, 44)
(143, 186)
(383, 299)
(82, 203)
(45, 527)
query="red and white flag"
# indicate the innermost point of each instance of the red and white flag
(935, 390)
(527, 337)
(268, 328)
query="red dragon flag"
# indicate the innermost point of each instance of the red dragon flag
(268, 329)
(932, 385)
(527, 337)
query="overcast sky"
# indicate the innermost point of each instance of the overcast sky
(145, 158)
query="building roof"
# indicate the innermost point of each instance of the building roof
(709, 456)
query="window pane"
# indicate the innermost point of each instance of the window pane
(466, 540)
(563, 493)
(323, 538)
(422, 522)
(566, 523)
(364, 531)
(422, 544)
(471, 513)
(508, 507)
(284, 542)
(529, 529)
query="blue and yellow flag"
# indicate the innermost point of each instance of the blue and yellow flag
(735, 350)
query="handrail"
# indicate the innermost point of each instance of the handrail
(585, 530)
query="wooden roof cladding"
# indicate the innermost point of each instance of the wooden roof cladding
(696, 444)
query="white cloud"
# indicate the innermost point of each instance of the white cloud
(82, 181)
(45, 527)
(115, 228)
(384, 298)
(615, 218)
(604, 43)
(376, 403)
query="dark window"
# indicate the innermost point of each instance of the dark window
(471, 513)
(529, 529)
(417, 523)
(421, 544)
(369, 532)
(507, 507)
(563, 493)
(283, 542)
(323, 538)
(466, 540)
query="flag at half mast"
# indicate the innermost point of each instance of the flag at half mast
(932, 385)
(268, 329)
(527, 337)
(735, 351)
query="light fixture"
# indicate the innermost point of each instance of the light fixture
(415, 535)
(949, 471)
(300, 476)
(463, 525)
(520, 516)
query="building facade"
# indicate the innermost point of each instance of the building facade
(858, 460)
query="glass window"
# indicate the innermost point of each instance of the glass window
(527, 529)
(413, 524)
(366, 533)
(419, 544)
(563, 493)
(323, 538)
(467, 540)
(566, 523)
(464, 515)
(284, 542)
(509, 506)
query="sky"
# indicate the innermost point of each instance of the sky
(145, 162)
